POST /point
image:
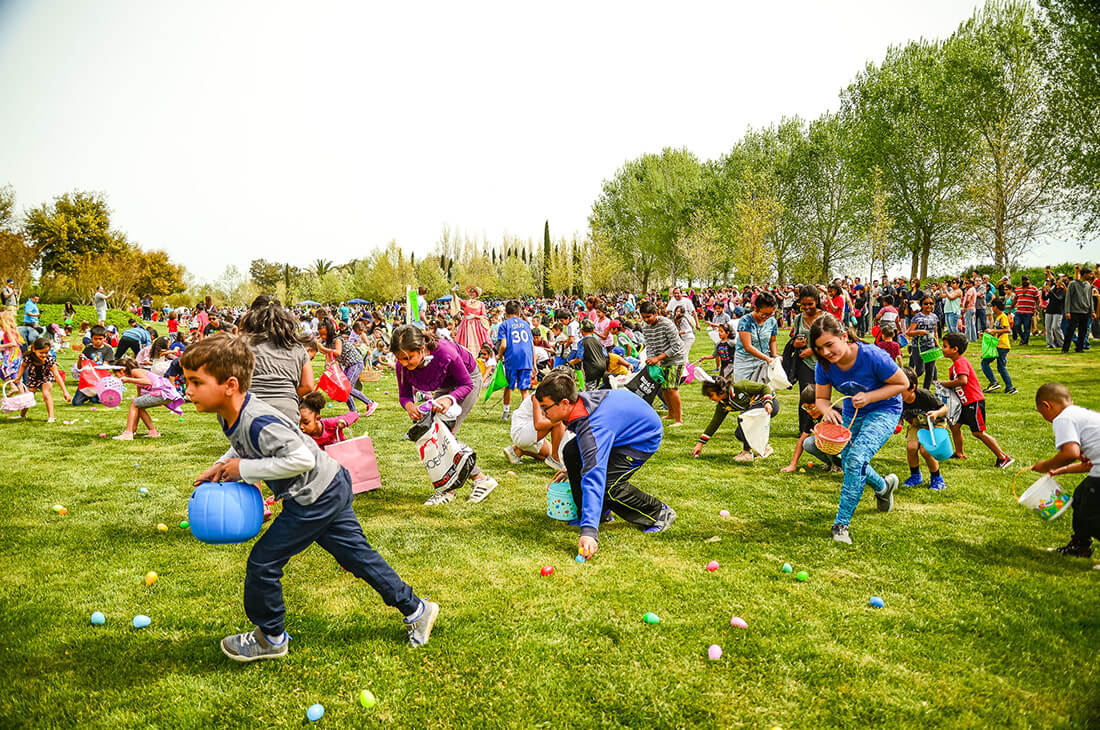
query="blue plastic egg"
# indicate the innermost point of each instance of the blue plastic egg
(98, 619)
(222, 513)
(315, 712)
(877, 602)
(141, 621)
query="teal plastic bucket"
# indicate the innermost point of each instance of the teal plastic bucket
(559, 502)
(937, 442)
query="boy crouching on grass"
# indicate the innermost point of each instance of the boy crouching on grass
(316, 492)
(1077, 438)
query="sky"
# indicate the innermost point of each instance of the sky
(227, 131)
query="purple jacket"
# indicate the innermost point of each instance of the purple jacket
(449, 370)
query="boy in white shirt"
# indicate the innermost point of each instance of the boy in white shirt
(529, 430)
(1077, 436)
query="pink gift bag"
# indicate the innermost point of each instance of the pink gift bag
(357, 456)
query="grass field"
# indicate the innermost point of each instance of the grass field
(982, 627)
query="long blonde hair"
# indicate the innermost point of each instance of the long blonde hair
(7, 324)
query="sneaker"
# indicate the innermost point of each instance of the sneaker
(512, 454)
(253, 645)
(371, 408)
(554, 464)
(1011, 391)
(886, 496)
(421, 629)
(745, 457)
(1073, 550)
(440, 497)
(482, 487)
(914, 480)
(840, 534)
(664, 520)
(506, 416)
(992, 387)
(1005, 462)
(937, 483)
(51, 420)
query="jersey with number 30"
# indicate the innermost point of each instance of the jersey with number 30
(519, 351)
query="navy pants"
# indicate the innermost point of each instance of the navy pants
(331, 523)
(620, 496)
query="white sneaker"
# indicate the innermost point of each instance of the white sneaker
(440, 498)
(554, 464)
(482, 487)
(511, 453)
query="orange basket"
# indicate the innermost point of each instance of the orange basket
(833, 437)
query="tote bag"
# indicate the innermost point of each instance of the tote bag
(334, 383)
(989, 346)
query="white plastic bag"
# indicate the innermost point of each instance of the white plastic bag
(756, 424)
(777, 376)
(447, 460)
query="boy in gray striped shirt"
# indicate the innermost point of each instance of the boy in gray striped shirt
(664, 348)
(316, 491)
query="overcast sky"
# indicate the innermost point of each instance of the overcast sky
(227, 131)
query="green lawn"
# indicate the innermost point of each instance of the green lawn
(982, 627)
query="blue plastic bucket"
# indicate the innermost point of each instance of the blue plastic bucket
(559, 502)
(937, 442)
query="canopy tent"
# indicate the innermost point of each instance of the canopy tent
(308, 303)
(446, 298)
(358, 301)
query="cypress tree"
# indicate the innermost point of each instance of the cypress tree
(546, 259)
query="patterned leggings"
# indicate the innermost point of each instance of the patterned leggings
(870, 432)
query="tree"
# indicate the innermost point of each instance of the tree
(700, 247)
(266, 275)
(560, 270)
(431, 276)
(17, 254)
(600, 270)
(159, 276)
(641, 209)
(1070, 35)
(907, 119)
(757, 212)
(74, 226)
(878, 230)
(383, 276)
(321, 267)
(1012, 189)
(515, 279)
(546, 259)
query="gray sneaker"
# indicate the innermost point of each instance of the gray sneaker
(253, 645)
(664, 520)
(840, 534)
(886, 496)
(421, 629)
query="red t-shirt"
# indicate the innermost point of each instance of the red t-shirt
(892, 348)
(173, 325)
(972, 391)
(1027, 298)
(835, 306)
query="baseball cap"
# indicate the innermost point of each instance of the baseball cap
(615, 323)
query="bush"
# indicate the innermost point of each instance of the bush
(52, 313)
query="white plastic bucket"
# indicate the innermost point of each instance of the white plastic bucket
(1046, 497)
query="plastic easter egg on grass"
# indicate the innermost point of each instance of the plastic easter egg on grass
(546, 570)
(877, 602)
(651, 618)
(98, 619)
(581, 559)
(161, 527)
(801, 470)
(315, 712)
(103, 435)
(510, 473)
(141, 621)
(787, 568)
(810, 464)
(184, 525)
(724, 513)
(57, 508)
(714, 652)
(222, 513)
(738, 623)
(143, 491)
(150, 578)
(802, 576)
(712, 566)
(367, 699)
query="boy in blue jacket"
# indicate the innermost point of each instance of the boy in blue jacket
(316, 492)
(616, 432)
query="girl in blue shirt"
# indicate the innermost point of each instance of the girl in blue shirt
(873, 384)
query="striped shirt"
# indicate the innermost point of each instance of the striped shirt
(1027, 298)
(664, 337)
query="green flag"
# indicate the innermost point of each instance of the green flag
(500, 382)
(413, 314)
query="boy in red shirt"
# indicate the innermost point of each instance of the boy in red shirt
(964, 381)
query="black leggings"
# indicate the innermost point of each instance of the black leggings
(125, 344)
(805, 376)
(1086, 511)
(620, 496)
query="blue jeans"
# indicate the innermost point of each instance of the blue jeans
(331, 523)
(1023, 327)
(970, 320)
(951, 321)
(1002, 368)
(810, 447)
(870, 432)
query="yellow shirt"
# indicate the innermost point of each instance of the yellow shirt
(616, 365)
(1004, 342)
